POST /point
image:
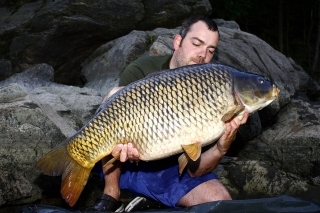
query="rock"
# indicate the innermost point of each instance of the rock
(40, 75)
(5, 69)
(250, 179)
(292, 142)
(63, 104)
(26, 134)
(227, 24)
(15, 187)
(103, 66)
(63, 33)
(35, 117)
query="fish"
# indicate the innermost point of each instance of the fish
(169, 112)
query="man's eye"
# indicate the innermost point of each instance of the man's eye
(211, 51)
(195, 44)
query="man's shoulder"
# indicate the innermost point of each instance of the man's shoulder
(142, 67)
(153, 60)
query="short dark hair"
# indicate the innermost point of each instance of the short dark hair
(186, 25)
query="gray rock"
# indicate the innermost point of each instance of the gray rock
(250, 179)
(36, 115)
(63, 33)
(27, 134)
(292, 142)
(5, 69)
(227, 24)
(38, 76)
(15, 187)
(103, 66)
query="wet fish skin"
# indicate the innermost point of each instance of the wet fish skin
(156, 114)
(163, 114)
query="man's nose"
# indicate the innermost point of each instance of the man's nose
(202, 53)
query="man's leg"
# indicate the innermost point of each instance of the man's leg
(111, 172)
(161, 181)
(109, 201)
(111, 175)
(208, 191)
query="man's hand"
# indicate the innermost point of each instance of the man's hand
(112, 91)
(126, 152)
(229, 135)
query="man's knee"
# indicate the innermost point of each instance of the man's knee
(209, 191)
(223, 195)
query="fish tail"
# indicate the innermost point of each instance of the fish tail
(74, 176)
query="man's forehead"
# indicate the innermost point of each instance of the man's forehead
(199, 25)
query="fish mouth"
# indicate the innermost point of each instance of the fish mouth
(275, 91)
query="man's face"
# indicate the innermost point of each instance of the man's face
(197, 47)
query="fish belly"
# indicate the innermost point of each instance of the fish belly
(170, 146)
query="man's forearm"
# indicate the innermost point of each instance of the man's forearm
(207, 162)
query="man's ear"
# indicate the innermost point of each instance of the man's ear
(177, 41)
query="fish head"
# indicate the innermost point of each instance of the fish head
(254, 91)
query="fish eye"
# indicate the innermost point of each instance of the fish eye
(261, 80)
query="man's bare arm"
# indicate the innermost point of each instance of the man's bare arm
(210, 159)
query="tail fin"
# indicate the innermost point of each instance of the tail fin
(74, 176)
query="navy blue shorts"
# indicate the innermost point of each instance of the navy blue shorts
(159, 180)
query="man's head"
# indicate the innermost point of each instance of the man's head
(196, 43)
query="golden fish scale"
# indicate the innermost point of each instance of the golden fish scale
(158, 115)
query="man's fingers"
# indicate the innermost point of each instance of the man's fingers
(123, 154)
(136, 154)
(117, 150)
(130, 151)
(133, 154)
(244, 118)
(236, 122)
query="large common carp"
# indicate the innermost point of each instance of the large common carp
(170, 112)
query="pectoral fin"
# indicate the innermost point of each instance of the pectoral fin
(193, 150)
(233, 111)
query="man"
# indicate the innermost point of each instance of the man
(160, 180)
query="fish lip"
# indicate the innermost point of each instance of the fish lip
(276, 91)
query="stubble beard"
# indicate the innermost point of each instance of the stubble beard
(179, 60)
(182, 60)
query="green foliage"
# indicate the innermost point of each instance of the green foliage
(150, 40)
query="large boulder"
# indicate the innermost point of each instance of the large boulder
(36, 115)
(62, 33)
